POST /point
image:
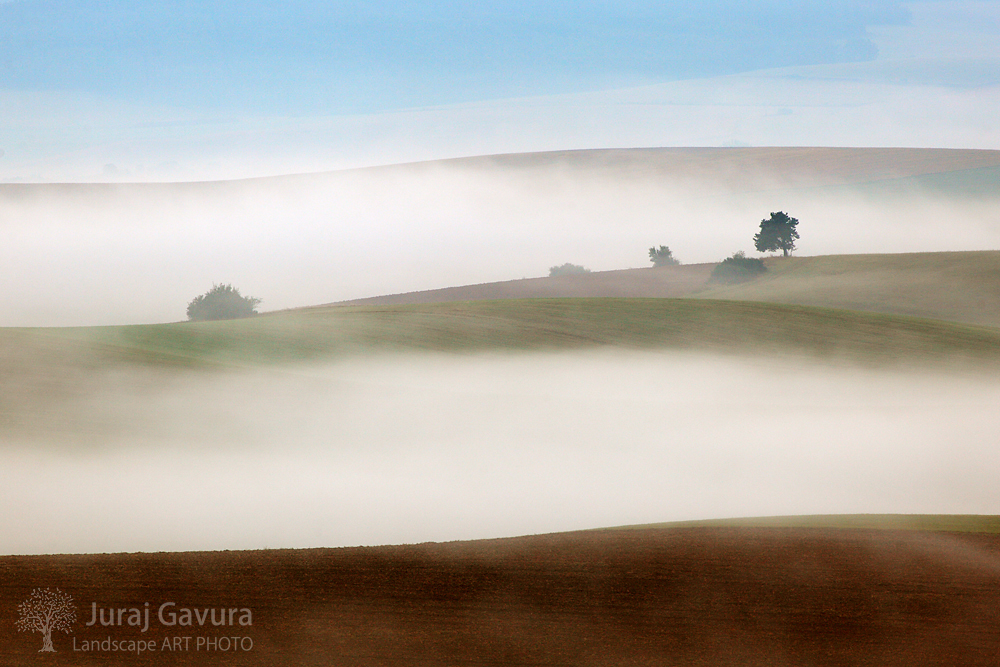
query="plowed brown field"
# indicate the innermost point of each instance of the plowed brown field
(670, 596)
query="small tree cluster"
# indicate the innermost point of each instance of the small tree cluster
(738, 269)
(567, 269)
(222, 302)
(662, 257)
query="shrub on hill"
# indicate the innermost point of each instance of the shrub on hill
(738, 269)
(222, 302)
(662, 257)
(567, 269)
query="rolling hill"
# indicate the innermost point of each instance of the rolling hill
(52, 366)
(960, 171)
(706, 595)
(887, 590)
(953, 286)
(384, 230)
(514, 325)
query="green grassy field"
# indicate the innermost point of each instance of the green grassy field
(938, 311)
(515, 325)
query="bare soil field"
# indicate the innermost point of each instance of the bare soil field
(669, 596)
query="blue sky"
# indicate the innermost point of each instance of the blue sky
(208, 89)
(306, 57)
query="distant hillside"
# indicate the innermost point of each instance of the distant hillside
(665, 282)
(725, 169)
(955, 286)
(497, 325)
(741, 169)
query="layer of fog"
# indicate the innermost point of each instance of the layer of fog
(411, 449)
(135, 254)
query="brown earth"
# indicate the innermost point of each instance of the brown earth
(667, 596)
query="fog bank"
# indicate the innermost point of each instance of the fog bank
(412, 449)
(90, 255)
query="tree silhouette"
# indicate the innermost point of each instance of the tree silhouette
(45, 611)
(222, 302)
(662, 256)
(777, 233)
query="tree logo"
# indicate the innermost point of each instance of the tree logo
(46, 610)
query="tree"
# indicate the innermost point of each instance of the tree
(662, 257)
(567, 269)
(737, 269)
(777, 233)
(222, 302)
(46, 611)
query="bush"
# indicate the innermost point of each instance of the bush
(738, 269)
(222, 302)
(567, 270)
(662, 257)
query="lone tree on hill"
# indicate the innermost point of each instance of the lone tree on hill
(777, 233)
(222, 302)
(46, 611)
(662, 257)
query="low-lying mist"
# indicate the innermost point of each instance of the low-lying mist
(124, 254)
(419, 448)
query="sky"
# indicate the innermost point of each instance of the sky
(306, 56)
(107, 90)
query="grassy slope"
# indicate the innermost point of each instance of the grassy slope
(956, 286)
(540, 324)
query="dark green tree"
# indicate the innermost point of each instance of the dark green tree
(662, 256)
(777, 233)
(222, 302)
